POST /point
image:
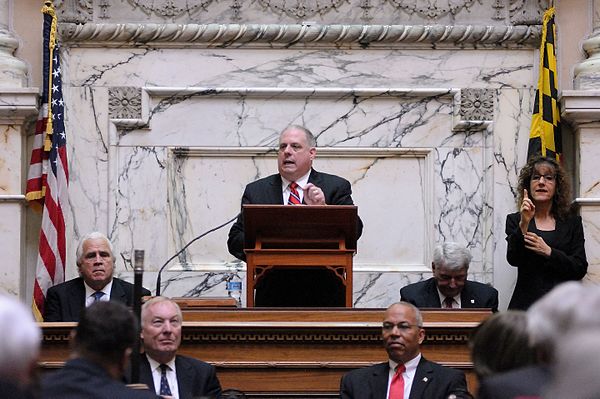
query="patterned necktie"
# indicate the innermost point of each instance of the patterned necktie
(97, 295)
(448, 302)
(294, 198)
(397, 385)
(164, 384)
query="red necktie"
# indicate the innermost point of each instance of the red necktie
(294, 198)
(448, 301)
(397, 385)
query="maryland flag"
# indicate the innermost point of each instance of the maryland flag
(545, 133)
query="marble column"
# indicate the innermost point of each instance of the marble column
(581, 109)
(587, 73)
(13, 72)
(18, 104)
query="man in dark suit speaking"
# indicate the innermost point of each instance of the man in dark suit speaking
(407, 374)
(95, 262)
(449, 287)
(295, 184)
(165, 372)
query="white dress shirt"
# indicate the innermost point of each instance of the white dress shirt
(89, 293)
(171, 376)
(408, 374)
(285, 187)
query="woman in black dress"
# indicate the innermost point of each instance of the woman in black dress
(545, 238)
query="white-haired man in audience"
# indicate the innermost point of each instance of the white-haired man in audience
(569, 307)
(20, 339)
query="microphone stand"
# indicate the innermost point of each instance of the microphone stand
(138, 272)
(185, 247)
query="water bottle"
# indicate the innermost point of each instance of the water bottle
(234, 286)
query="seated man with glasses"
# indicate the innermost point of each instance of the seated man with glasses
(407, 373)
(449, 287)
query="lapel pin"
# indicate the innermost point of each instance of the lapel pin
(472, 300)
(425, 379)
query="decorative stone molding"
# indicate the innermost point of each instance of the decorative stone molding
(433, 9)
(477, 104)
(294, 11)
(125, 103)
(75, 11)
(527, 12)
(128, 108)
(233, 35)
(170, 8)
(301, 9)
(18, 105)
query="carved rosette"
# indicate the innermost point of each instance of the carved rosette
(125, 103)
(477, 104)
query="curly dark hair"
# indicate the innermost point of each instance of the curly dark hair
(561, 201)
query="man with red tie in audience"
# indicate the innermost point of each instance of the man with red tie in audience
(449, 287)
(407, 374)
(297, 183)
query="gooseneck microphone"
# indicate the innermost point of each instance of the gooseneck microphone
(185, 247)
(138, 273)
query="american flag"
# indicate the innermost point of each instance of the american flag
(48, 170)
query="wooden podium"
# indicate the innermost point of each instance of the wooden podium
(283, 236)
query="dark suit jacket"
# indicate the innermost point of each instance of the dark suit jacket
(65, 301)
(525, 382)
(194, 377)
(267, 191)
(537, 275)
(431, 381)
(424, 294)
(80, 378)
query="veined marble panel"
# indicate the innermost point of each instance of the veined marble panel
(207, 185)
(247, 68)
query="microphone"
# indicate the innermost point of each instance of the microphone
(138, 272)
(185, 247)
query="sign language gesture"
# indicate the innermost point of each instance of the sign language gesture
(537, 244)
(527, 212)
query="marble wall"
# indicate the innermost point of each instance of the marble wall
(172, 109)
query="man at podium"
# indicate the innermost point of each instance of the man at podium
(297, 183)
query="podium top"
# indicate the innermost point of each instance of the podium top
(300, 227)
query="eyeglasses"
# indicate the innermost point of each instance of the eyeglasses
(402, 326)
(548, 178)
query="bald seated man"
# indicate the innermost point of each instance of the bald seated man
(406, 374)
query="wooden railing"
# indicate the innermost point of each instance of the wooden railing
(299, 352)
